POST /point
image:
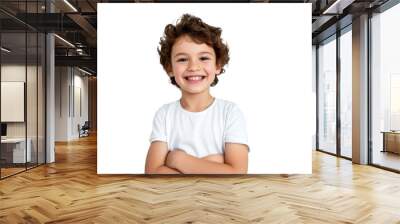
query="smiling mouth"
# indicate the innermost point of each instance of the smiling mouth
(195, 78)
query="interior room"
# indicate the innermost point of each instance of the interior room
(48, 150)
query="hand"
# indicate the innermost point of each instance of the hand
(174, 157)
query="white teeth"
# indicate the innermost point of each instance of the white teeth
(194, 78)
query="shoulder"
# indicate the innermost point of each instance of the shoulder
(167, 107)
(227, 106)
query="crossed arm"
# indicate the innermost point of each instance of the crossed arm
(162, 161)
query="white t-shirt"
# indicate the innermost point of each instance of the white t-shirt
(199, 133)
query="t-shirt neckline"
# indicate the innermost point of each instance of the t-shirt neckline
(199, 112)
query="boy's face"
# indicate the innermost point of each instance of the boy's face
(193, 65)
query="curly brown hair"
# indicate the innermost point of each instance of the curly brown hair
(199, 32)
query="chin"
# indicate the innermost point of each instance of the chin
(194, 90)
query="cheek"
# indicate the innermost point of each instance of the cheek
(211, 69)
(177, 70)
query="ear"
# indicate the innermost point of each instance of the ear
(169, 71)
(218, 71)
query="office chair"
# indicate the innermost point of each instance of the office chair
(84, 130)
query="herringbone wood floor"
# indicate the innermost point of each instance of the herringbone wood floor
(70, 191)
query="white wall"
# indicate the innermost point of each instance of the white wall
(80, 83)
(16, 73)
(62, 80)
(70, 83)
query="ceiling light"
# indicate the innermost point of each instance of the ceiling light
(64, 40)
(86, 72)
(5, 49)
(338, 6)
(70, 5)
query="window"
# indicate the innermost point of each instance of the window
(346, 93)
(385, 88)
(327, 96)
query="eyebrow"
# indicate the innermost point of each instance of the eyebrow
(203, 52)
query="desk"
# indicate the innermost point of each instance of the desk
(391, 141)
(15, 148)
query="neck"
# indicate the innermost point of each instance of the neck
(196, 102)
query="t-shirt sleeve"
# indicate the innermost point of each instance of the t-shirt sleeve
(235, 127)
(158, 132)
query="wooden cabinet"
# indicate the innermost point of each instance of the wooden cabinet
(391, 142)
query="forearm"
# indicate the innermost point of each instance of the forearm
(192, 165)
(163, 170)
(167, 170)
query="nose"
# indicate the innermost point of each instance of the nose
(194, 65)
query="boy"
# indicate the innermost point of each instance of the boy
(197, 134)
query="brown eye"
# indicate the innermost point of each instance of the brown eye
(204, 58)
(181, 60)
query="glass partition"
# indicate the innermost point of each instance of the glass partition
(41, 111)
(32, 95)
(327, 96)
(34, 64)
(346, 93)
(13, 109)
(22, 77)
(385, 89)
